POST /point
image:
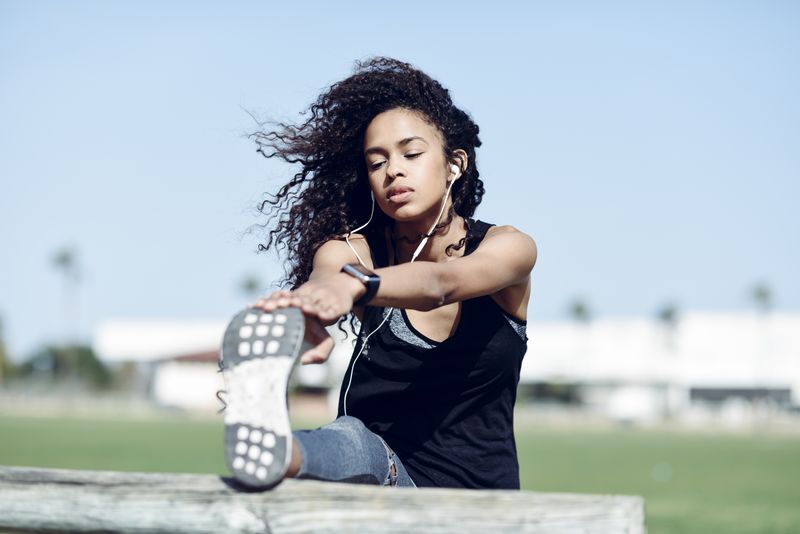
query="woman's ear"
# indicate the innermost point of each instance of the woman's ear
(460, 159)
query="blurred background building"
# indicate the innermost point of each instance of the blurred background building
(701, 366)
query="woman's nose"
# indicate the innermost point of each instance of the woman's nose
(394, 169)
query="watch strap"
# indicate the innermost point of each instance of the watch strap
(370, 280)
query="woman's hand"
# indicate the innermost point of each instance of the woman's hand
(322, 301)
(317, 336)
(326, 298)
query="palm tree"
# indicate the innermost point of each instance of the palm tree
(674, 392)
(579, 310)
(582, 341)
(65, 262)
(3, 356)
(762, 297)
(251, 286)
(668, 315)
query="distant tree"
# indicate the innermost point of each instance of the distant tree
(65, 363)
(3, 356)
(762, 296)
(251, 286)
(65, 262)
(668, 314)
(579, 311)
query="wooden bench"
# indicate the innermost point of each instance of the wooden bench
(61, 500)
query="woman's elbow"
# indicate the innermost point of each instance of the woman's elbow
(442, 288)
(434, 292)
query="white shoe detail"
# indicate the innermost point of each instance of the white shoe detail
(256, 415)
(257, 394)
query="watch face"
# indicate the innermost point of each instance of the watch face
(367, 277)
(357, 271)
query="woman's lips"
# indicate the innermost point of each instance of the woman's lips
(400, 197)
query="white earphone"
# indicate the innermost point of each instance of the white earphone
(454, 169)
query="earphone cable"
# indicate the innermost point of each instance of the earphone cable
(390, 309)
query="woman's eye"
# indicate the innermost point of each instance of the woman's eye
(376, 165)
(414, 155)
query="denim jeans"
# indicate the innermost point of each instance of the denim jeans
(347, 451)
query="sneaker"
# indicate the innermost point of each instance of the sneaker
(259, 352)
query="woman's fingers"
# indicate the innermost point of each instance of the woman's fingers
(320, 339)
(321, 304)
(278, 299)
(318, 354)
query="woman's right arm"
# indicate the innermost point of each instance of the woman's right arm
(327, 264)
(334, 254)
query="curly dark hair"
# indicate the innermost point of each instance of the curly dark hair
(330, 194)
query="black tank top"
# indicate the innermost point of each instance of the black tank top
(446, 410)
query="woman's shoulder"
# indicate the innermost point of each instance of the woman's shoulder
(510, 236)
(508, 244)
(518, 252)
(338, 251)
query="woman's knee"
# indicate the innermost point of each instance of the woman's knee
(353, 426)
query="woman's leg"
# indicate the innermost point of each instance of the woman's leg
(259, 351)
(346, 451)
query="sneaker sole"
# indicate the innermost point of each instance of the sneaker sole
(259, 352)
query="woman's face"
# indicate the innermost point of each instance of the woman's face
(405, 161)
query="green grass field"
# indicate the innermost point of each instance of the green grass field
(692, 483)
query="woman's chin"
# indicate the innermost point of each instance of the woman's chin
(403, 213)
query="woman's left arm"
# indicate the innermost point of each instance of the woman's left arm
(503, 259)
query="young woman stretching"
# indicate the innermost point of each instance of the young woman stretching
(377, 223)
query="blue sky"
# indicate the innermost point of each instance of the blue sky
(652, 150)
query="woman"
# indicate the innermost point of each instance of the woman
(428, 396)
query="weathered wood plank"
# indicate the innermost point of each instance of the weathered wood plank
(59, 500)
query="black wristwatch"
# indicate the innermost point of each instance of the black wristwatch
(370, 280)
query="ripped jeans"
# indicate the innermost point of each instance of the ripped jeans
(347, 451)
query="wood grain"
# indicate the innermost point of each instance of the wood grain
(60, 500)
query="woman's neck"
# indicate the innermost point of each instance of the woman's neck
(406, 238)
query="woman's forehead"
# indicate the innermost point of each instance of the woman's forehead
(395, 125)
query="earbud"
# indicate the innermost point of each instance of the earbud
(454, 169)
